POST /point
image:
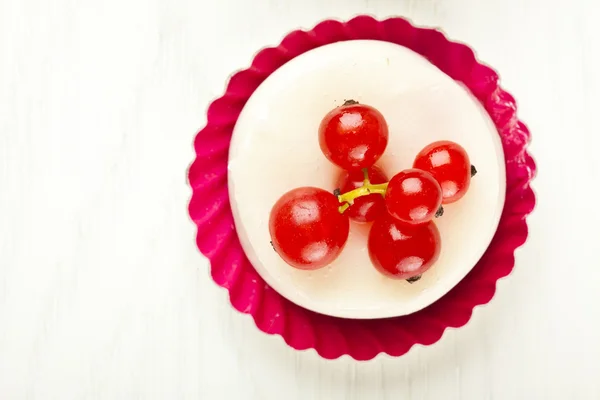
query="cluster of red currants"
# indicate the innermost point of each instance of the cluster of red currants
(309, 226)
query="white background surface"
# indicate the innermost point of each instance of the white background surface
(103, 294)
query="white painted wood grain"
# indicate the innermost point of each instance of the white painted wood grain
(102, 292)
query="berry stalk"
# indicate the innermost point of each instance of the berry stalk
(366, 189)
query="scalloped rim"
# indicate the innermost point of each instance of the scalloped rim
(333, 337)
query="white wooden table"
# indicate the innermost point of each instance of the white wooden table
(103, 294)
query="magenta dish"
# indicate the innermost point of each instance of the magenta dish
(333, 337)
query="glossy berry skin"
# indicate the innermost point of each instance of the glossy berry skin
(307, 230)
(365, 208)
(353, 136)
(413, 196)
(402, 251)
(449, 164)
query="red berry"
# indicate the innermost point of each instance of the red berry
(365, 208)
(401, 250)
(353, 136)
(449, 164)
(413, 196)
(307, 230)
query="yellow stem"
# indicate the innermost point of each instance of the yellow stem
(366, 189)
(343, 208)
(366, 176)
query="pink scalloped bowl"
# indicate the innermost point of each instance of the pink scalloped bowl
(333, 337)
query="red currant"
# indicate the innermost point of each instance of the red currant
(307, 230)
(413, 196)
(353, 136)
(401, 250)
(449, 164)
(364, 208)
